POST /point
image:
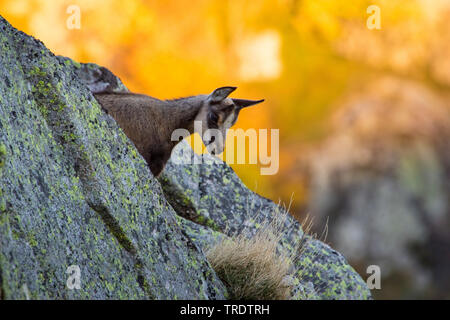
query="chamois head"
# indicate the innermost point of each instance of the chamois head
(217, 115)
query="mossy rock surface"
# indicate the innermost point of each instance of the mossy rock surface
(74, 191)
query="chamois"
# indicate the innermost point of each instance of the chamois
(149, 122)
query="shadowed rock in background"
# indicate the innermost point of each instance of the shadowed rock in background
(383, 179)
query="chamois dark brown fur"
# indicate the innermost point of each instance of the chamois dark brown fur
(149, 122)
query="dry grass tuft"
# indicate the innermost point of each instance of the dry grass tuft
(253, 268)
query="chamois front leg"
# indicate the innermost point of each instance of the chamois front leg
(156, 161)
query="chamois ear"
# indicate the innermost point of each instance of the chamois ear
(243, 103)
(221, 93)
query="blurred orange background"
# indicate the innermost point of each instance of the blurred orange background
(302, 56)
